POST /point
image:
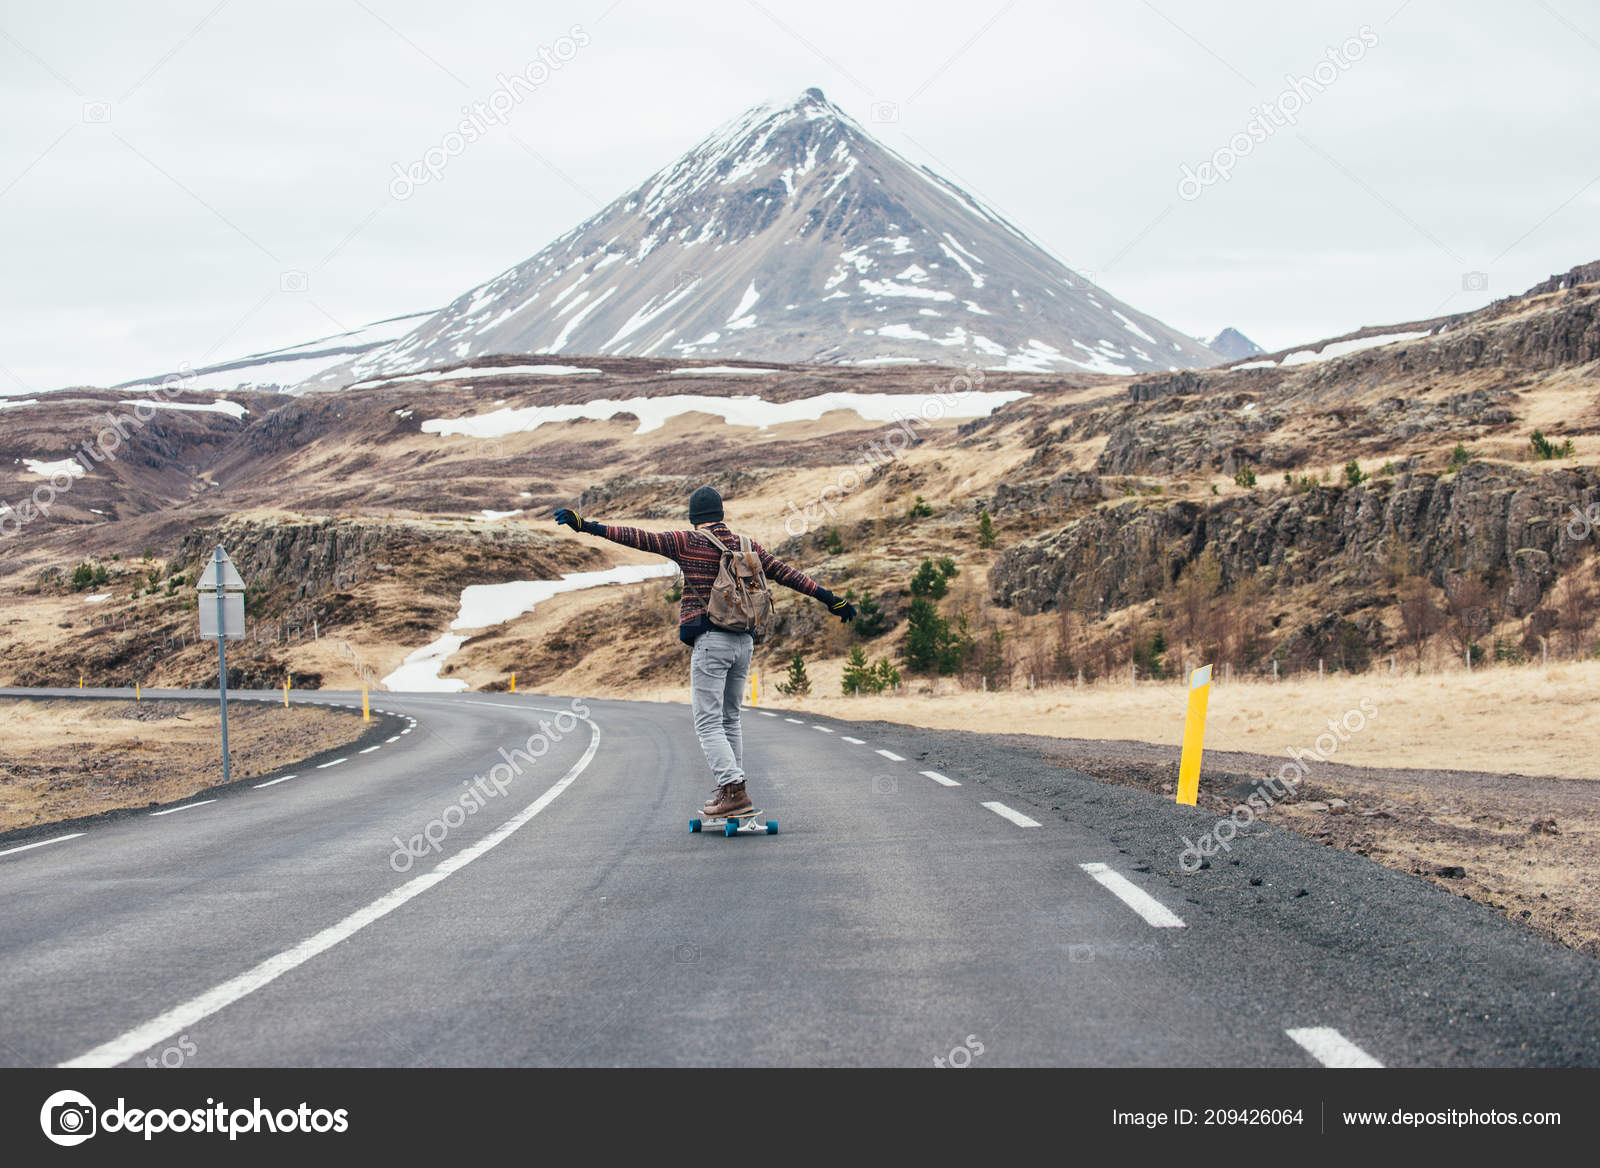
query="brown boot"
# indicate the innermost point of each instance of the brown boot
(727, 800)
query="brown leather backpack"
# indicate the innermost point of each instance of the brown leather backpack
(740, 601)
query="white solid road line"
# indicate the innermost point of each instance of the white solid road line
(1152, 910)
(1332, 1049)
(891, 756)
(185, 807)
(41, 843)
(322, 766)
(142, 1038)
(274, 782)
(1005, 812)
(854, 741)
(941, 779)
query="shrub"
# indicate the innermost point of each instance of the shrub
(795, 682)
(1459, 457)
(1244, 476)
(985, 529)
(919, 509)
(1354, 476)
(1543, 448)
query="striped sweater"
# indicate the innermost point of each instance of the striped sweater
(693, 553)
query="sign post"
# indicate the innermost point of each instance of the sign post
(221, 582)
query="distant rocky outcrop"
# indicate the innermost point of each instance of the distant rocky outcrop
(1502, 523)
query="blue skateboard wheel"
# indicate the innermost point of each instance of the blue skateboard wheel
(694, 825)
(730, 828)
(772, 827)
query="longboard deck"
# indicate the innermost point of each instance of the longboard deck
(744, 823)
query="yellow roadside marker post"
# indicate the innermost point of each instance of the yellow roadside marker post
(137, 696)
(286, 691)
(80, 681)
(755, 687)
(1194, 735)
(513, 683)
(366, 709)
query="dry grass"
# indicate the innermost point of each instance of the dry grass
(66, 758)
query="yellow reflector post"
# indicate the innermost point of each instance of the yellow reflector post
(1194, 736)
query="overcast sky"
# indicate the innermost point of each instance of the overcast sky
(168, 169)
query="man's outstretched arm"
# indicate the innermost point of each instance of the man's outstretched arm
(661, 543)
(792, 577)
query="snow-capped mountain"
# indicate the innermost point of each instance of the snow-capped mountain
(792, 235)
(1233, 344)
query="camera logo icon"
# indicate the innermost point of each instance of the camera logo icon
(1474, 281)
(885, 785)
(96, 113)
(884, 111)
(68, 1118)
(293, 282)
(686, 953)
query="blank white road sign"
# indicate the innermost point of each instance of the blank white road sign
(232, 615)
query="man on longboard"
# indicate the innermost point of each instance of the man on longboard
(719, 665)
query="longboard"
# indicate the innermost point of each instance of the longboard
(744, 823)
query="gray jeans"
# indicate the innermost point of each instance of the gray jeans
(719, 671)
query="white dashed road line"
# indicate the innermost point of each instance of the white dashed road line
(892, 756)
(1015, 817)
(796, 721)
(369, 749)
(824, 729)
(1332, 1049)
(274, 782)
(766, 713)
(42, 843)
(396, 738)
(1152, 910)
(185, 807)
(941, 779)
(325, 765)
(852, 741)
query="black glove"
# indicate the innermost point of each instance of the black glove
(571, 518)
(839, 606)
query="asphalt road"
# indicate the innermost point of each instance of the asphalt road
(1014, 914)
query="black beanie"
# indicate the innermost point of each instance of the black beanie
(705, 505)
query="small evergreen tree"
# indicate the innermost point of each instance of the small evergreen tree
(795, 683)
(919, 509)
(888, 677)
(1459, 457)
(858, 675)
(985, 529)
(1244, 476)
(82, 576)
(871, 621)
(831, 543)
(1543, 448)
(929, 582)
(927, 636)
(1353, 474)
